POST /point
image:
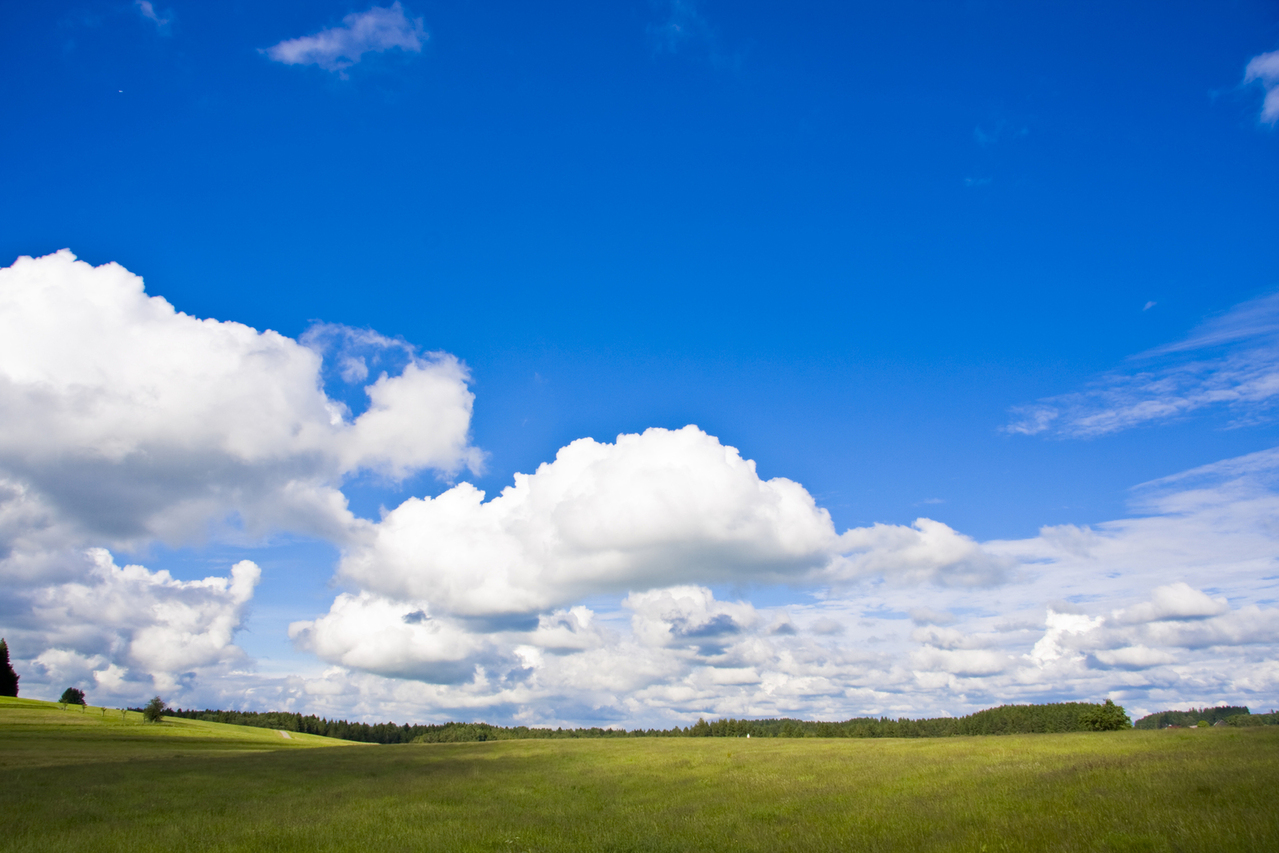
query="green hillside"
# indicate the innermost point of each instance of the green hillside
(35, 733)
(190, 786)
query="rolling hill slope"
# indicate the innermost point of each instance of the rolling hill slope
(43, 734)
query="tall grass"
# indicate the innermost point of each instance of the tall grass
(1206, 790)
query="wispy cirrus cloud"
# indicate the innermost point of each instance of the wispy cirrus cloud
(161, 20)
(1265, 70)
(338, 48)
(681, 24)
(683, 28)
(1252, 319)
(1231, 362)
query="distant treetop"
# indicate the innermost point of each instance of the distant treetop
(1105, 718)
(72, 696)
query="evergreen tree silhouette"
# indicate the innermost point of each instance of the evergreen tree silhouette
(8, 678)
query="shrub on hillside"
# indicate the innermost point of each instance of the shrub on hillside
(72, 696)
(155, 710)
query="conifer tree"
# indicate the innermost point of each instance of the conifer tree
(8, 678)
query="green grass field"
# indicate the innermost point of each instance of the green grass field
(82, 781)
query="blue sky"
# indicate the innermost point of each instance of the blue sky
(994, 266)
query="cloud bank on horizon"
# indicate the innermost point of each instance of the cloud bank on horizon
(613, 584)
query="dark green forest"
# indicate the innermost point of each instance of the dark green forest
(1271, 719)
(1163, 719)
(1230, 714)
(1006, 719)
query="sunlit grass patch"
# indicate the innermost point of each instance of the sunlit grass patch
(36, 733)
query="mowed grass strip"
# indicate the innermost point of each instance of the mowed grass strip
(1127, 791)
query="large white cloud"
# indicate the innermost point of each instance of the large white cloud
(372, 633)
(655, 509)
(125, 421)
(651, 509)
(124, 632)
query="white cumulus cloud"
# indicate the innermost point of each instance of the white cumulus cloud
(650, 510)
(126, 421)
(656, 509)
(964, 662)
(927, 551)
(1174, 601)
(375, 634)
(125, 631)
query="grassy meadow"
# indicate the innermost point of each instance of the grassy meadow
(82, 780)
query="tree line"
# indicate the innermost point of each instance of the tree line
(1163, 719)
(1232, 715)
(1271, 719)
(1006, 719)
(389, 733)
